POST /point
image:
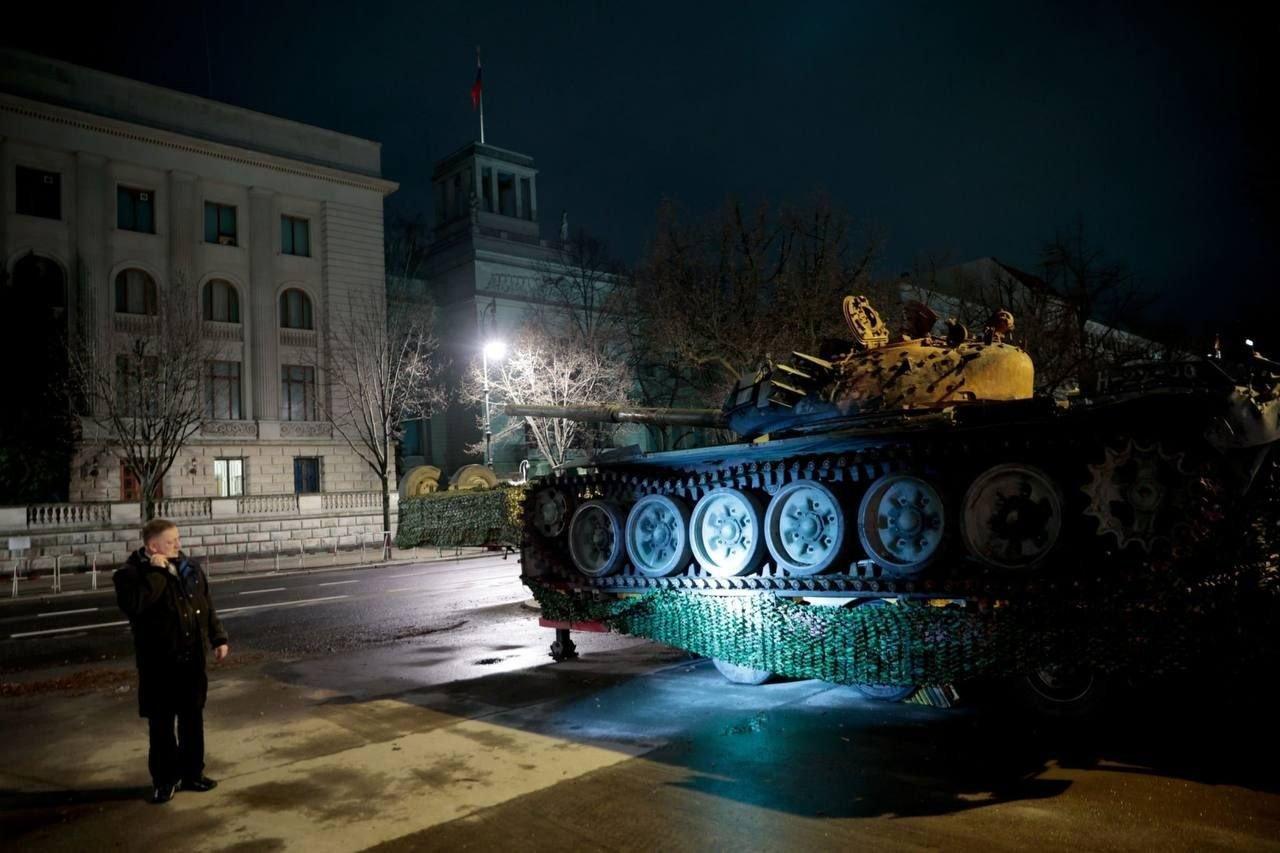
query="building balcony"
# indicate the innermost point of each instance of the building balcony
(135, 324)
(215, 331)
(302, 338)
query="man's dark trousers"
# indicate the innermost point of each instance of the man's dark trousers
(179, 689)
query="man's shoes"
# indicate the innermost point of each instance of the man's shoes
(201, 784)
(164, 793)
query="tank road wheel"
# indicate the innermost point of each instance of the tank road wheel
(736, 674)
(1012, 516)
(902, 522)
(725, 533)
(882, 692)
(550, 512)
(805, 528)
(595, 538)
(658, 536)
(1064, 691)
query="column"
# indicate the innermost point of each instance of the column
(88, 290)
(265, 335)
(533, 197)
(184, 219)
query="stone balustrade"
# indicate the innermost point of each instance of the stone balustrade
(68, 514)
(103, 514)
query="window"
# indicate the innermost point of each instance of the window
(230, 476)
(222, 391)
(506, 194)
(486, 188)
(295, 310)
(219, 223)
(136, 382)
(297, 393)
(131, 489)
(526, 199)
(306, 474)
(135, 210)
(39, 193)
(135, 293)
(295, 236)
(221, 302)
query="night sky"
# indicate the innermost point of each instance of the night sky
(963, 128)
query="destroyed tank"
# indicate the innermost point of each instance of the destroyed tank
(920, 470)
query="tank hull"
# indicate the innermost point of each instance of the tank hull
(1097, 527)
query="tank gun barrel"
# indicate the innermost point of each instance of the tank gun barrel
(622, 415)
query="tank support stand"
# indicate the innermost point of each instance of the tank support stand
(563, 648)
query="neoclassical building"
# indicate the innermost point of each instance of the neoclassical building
(113, 189)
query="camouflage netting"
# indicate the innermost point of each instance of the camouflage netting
(905, 644)
(489, 517)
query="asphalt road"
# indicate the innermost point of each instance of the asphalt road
(288, 615)
(414, 707)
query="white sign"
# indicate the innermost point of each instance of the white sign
(19, 543)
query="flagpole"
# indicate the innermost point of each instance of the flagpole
(481, 98)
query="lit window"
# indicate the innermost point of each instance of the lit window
(229, 474)
(135, 210)
(295, 236)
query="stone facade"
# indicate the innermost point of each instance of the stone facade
(136, 172)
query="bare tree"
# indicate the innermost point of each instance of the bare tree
(382, 371)
(1101, 296)
(719, 297)
(143, 389)
(540, 370)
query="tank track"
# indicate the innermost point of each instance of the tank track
(1084, 573)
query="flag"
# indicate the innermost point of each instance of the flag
(477, 88)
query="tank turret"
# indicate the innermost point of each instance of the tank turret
(916, 371)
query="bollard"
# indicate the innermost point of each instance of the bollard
(15, 578)
(244, 566)
(276, 545)
(302, 543)
(57, 574)
(93, 573)
(386, 544)
(208, 569)
(335, 552)
(361, 535)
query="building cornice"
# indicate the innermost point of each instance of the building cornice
(192, 145)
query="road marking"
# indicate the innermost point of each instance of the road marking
(298, 603)
(65, 630)
(337, 583)
(68, 612)
(259, 591)
(410, 575)
(407, 589)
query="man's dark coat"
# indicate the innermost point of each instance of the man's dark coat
(174, 624)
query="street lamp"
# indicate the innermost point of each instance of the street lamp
(492, 349)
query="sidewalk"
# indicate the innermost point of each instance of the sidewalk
(77, 580)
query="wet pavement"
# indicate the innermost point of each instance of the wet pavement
(432, 720)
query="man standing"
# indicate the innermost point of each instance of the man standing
(166, 597)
